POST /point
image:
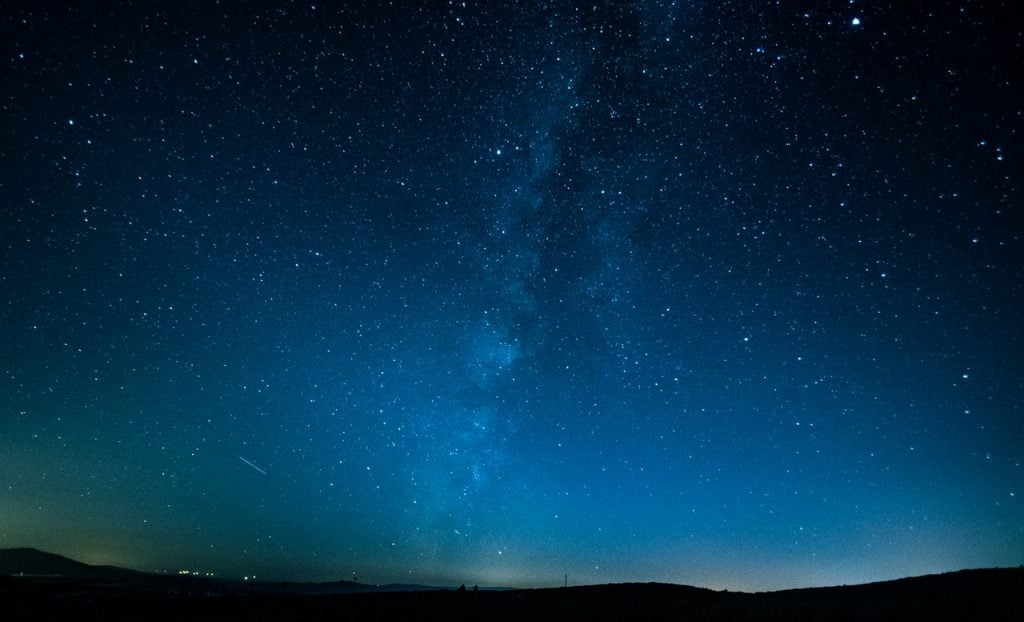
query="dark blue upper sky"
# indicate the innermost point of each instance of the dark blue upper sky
(723, 293)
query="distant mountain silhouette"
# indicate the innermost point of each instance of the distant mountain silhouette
(40, 565)
(55, 587)
(36, 563)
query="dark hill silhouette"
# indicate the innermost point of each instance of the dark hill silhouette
(987, 594)
(52, 568)
(33, 562)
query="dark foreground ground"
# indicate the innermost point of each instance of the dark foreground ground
(967, 595)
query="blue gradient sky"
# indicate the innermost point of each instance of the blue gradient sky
(726, 294)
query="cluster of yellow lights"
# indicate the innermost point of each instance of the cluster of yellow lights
(195, 573)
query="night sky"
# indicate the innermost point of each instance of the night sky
(726, 293)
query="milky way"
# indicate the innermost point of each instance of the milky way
(724, 293)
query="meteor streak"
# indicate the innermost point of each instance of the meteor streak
(252, 465)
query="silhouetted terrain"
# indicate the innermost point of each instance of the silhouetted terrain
(992, 594)
(43, 567)
(35, 563)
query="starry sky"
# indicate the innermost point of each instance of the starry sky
(718, 293)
